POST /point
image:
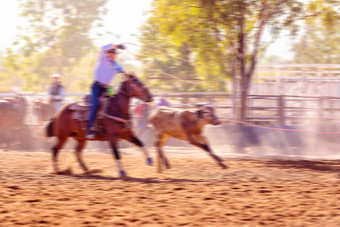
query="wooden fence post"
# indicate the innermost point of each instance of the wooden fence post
(281, 104)
(320, 110)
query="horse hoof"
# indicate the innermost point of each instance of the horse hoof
(122, 173)
(149, 161)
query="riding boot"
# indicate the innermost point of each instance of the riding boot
(91, 134)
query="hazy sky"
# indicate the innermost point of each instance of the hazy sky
(124, 18)
(8, 22)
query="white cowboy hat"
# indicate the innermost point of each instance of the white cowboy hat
(55, 75)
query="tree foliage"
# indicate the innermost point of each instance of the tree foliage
(55, 38)
(224, 38)
(320, 41)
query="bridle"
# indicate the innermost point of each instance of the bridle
(127, 122)
(140, 90)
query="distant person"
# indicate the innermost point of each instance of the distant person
(163, 102)
(107, 67)
(56, 92)
(142, 115)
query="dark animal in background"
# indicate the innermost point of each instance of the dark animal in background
(42, 110)
(12, 119)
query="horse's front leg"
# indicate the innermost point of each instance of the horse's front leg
(133, 139)
(116, 154)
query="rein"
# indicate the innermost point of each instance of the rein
(126, 93)
(125, 121)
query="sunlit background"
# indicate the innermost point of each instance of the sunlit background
(119, 22)
(251, 59)
(267, 70)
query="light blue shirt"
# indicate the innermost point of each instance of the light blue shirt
(106, 68)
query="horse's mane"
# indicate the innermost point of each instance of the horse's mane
(128, 76)
(114, 99)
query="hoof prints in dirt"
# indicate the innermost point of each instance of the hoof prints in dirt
(195, 192)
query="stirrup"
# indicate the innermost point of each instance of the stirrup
(90, 136)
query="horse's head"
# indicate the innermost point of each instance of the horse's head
(133, 87)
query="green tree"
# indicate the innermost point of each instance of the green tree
(225, 38)
(320, 41)
(55, 39)
(170, 61)
(8, 79)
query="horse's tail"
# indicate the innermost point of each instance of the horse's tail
(50, 128)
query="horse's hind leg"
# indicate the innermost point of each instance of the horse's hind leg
(79, 148)
(55, 150)
(133, 139)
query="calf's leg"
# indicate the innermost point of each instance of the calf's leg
(199, 141)
(161, 159)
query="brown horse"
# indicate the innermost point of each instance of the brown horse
(116, 124)
(12, 116)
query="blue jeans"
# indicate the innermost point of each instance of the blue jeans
(96, 91)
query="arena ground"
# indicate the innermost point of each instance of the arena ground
(195, 192)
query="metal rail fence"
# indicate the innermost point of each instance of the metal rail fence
(279, 109)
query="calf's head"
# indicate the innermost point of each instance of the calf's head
(207, 113)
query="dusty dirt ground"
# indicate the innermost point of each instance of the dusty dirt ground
(195, 192)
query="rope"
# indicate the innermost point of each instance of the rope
(235, 121)
(182, 59)
(278, 129)
(150, 68)
(116, 118)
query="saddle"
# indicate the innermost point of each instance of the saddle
(81, 113)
